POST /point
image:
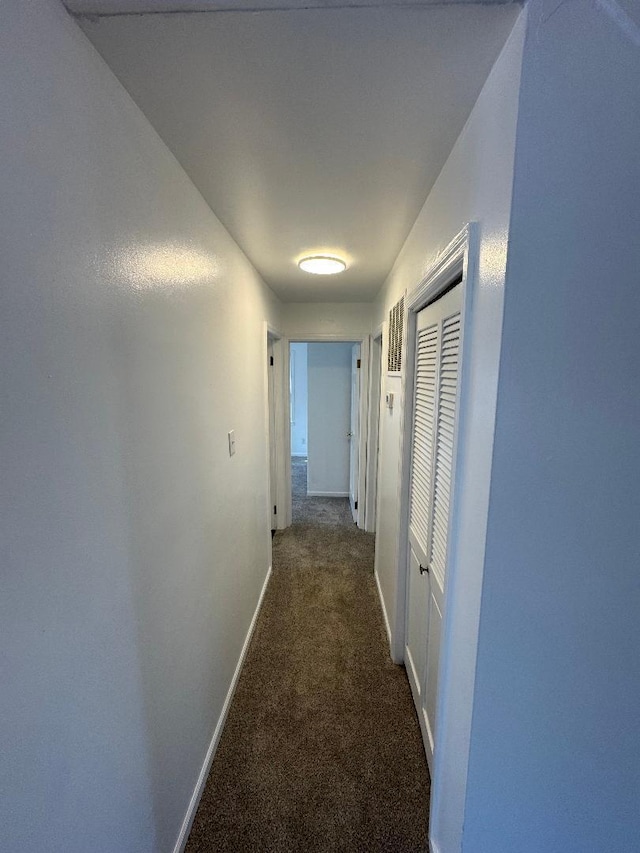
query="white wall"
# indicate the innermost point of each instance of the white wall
(329, 410)
(133, 548)
(298, 367)
(555, 752)
(474, 185)
(342, 320)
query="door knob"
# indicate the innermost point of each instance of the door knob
(349, 434)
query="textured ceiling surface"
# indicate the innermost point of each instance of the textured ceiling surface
(309, 130)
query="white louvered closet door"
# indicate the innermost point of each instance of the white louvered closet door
(432, 450)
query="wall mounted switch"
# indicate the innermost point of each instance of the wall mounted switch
(232, 442)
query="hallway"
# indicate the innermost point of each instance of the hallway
(321, 750)
(190, 189)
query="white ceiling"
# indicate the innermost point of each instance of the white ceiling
(307, 130)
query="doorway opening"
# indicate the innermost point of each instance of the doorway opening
(325, 433)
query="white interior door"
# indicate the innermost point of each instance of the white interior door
(272, 434)
(354, 431)
(432, 446)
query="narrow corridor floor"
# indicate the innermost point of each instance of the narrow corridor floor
(321, 750)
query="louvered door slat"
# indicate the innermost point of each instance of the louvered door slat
(444, 457)
(446, 422)
(445, 426)
(422, 434)
(421, 483)
(423, 438)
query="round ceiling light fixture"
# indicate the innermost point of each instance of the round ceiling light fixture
(322, 264)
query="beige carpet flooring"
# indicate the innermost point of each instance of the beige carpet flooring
(314, 510)
(321, 750)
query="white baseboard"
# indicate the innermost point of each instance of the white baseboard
(384, 610)
(185, 829)
(314, 494)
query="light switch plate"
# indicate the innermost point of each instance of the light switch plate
(232, 442)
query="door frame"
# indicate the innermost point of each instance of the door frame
(305, 337)
(463, 586)
(374, 392)
(354, 459)
(276, 441)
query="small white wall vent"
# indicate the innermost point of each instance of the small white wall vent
(396, 334)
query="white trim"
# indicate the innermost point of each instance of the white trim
(448, 264)
(374, 381)
(273, 450)
(383, 607)
(313, 494)
(292, 389)
(282, 446)
(363, 430)
(373, 429)
(187, 823)
(285, 426)
(402, 497)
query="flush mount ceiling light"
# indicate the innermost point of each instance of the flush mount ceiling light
(322, 265)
